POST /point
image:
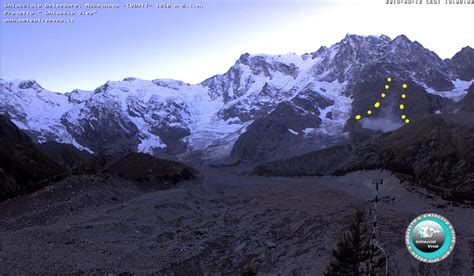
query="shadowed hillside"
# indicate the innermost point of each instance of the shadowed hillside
(23, 168)
(148, 169)
(437, 151)
(65, 154)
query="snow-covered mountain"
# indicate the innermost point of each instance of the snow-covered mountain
(263, 107)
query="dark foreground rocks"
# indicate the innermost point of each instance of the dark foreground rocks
(224, 224)
(26, 167)
(146, 168)
(23, 168)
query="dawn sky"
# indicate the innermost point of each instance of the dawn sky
(194, 44)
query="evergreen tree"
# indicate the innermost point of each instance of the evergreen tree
(352, 253)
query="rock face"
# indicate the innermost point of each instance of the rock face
(463, 63)
(150, 170)
(104, 131)
(23, 168)
(66, 155)
(321, 162)
(277, 134)
(436, 151)
(388, 116)
(320, 92)
(10, 132)
(467, 104)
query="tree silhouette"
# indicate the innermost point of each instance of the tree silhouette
(352, 254)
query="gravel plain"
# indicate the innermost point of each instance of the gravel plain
(225, 223)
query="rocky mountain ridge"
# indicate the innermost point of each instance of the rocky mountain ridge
(26, 167)
(303, 102)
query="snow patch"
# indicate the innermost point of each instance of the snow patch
(292, 131)
(149, 143)
(456, 94)
(340, 111)
(309, 130)
(148, 140)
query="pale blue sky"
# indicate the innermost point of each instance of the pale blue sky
(194, 44)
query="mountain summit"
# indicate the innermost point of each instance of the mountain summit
(264, 107)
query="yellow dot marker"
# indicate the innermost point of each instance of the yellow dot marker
(383, 95)
(358, 117)
(369, 112)
(404, 85)
(377, 105)
(387, 86)
(389, 79)
(404, 96)
(407, 121)
(404, 117)
(402, 106)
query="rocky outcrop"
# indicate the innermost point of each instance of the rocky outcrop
(23, 168)
(104, 131)
(66, 155)
(437, 151)
(321, 162)
(467, 104)
(463, 64)
(150, 170)
(388, 116)
(268, 136)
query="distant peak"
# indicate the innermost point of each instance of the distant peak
(29, 84)
(467, 49)
(402, 38)
(402, 42)
(103, 88)
(355, 36)
(348, 36)
(319, 52)
(129, 79)
(321, 49)
(465, 54)
(244, 59)
(170, 83)
(354, 39)
(385, 37)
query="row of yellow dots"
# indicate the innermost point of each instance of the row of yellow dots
(402, 106)
(383, 95)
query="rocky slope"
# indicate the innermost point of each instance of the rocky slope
(462, 62)
(227, 224)
(321, 162)
(26, 167)
(66, 155)
(23, 168)
(436, 151)
(296, 103)
(150, 170)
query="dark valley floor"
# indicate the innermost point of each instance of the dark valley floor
(222, 223)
